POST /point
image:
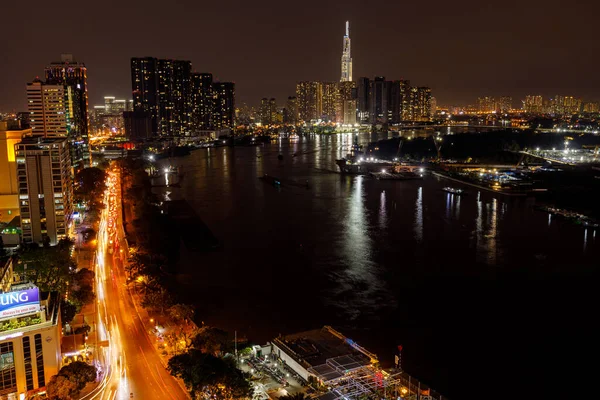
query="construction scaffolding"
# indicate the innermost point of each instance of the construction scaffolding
(369, 382)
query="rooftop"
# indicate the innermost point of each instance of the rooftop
(324, 351)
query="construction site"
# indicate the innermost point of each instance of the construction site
(326, 365)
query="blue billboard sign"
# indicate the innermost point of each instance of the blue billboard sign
(19, 302)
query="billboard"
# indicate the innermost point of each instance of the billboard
(19, 302)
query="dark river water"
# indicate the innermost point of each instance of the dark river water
(486, 294)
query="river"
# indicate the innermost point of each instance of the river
(482, 291)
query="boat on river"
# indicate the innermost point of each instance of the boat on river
(452, 190)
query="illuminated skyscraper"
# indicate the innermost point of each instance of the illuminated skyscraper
(45, 188)
(291, 111)
(47, 111)
(224, 111)
(331, 103)
(72, 76)
(346, 57)
(202, 101)
(310, 100)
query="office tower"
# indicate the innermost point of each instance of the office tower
(224, 111)
(72, 76)
(504, 104)
(9, 190)
(46, 105)
(202, 101)
(347, 100)
(45, 188)
(346, 56)
(363, 105)
(310, 100)
(144, 82)
(291, 111)
(533, 104)
(331, 102)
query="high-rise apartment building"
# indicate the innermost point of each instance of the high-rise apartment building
(533, 104)
(290, 115)
(346, 56)
(310, 100)
(331, 102)
(47, 111)
(45, 188)
(591, 107)
(178, 101)
(174, 100)
(347, 101)
(224, 112)
(363, 100)
(144, 82)
(268, 111)
(486, 105)
(202, 101)
(72, 76)
(504, 105)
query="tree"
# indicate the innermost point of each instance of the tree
(79, 372)
(70, 380)
(209, 376)
(68, 311)
(61, 388)
(183, 312)
(212, 340)
(83, 296)
(90, 183)
(157, 299)
(49, 268)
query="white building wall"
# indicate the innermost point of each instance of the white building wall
(299, 369)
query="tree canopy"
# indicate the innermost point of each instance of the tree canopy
(49, 268)
(207, 376)
(71, 379)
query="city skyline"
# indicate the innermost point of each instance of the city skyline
(461, 53)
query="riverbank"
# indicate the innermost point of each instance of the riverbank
(478, 186)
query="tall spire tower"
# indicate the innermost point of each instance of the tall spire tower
(346, 57)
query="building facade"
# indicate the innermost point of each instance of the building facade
(202, 101)
(72, 76)
(310, 100)
(9, 186)
(46, 106)
(45, 189)
(30, 351)
(180, 102)
(224, 100)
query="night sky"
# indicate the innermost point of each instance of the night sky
(462, 49)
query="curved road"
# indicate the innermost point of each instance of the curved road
(133, 364)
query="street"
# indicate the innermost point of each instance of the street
(134, 367)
